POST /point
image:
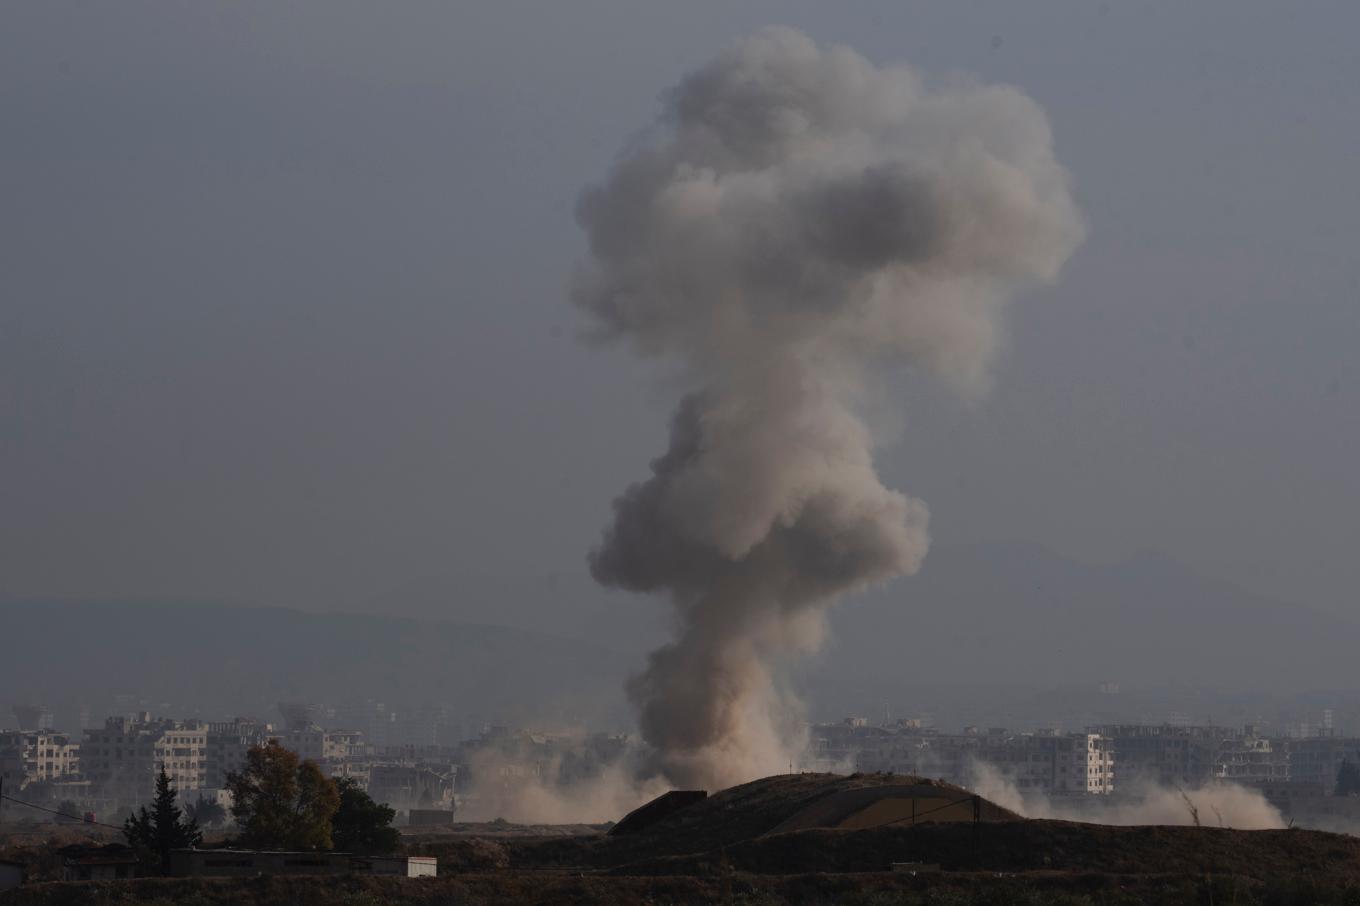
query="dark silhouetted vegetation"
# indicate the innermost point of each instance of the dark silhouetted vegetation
(165, 827)
(361, 825)
(1348, 778)
(207, 812)
(282, 803)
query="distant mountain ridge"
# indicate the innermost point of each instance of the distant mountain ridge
(1021, 613)
(222, 659)
(983, 619)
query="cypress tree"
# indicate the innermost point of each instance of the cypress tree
(164, 827)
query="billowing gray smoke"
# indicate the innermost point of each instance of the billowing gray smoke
(798, 215)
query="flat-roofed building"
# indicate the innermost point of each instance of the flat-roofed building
(1317, 759)
(225, 748)
(1053, 763)
(37, 756)
(1165, 754)
(122, 758)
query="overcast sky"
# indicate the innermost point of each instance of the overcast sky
(283, 320)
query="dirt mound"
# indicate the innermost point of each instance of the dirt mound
(751, 810)
(894, 804)
(800, 800)
(746, 829)
(644, 816)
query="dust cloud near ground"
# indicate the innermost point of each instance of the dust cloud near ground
(537, 794)
(1211, 805)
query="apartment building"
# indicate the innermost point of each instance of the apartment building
(1252, 759)
(947, 756)
(322, 746)
(406, 786)
(1317, 759)
(1054, 764)
(34, 756)
(226, 746)
(853, 744)
(1048, 763)
(1166, 754)
(122, 759)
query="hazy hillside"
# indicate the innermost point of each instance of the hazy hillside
(229, 660)
(1006, 633)
(1021, 616)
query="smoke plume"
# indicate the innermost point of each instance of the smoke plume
(797, 216)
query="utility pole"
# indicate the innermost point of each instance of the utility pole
(977, 825)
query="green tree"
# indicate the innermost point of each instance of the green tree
(281, 803)
(207, 812)
(164, 828)
(362, 825)
(1348, 779)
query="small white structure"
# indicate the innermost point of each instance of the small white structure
(398, 866)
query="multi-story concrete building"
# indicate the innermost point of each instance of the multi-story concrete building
(122, 758)
(1054, 764)
(34, 756)
(929, 754)
(338, 753)
(1251, 759)
(406, 786)
(1049, 763)
(854, 745)
(322, 746)
(226, 746)
(181, 750)
(1317, 759)
(1165, 754)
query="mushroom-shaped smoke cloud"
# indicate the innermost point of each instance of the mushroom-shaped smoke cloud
(798, 215)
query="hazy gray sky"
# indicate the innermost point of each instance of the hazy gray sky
(283, 315)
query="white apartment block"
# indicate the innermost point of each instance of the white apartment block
(1045, 763)
(34, 756)
(1076, 763)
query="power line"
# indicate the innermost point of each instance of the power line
(52, 811)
